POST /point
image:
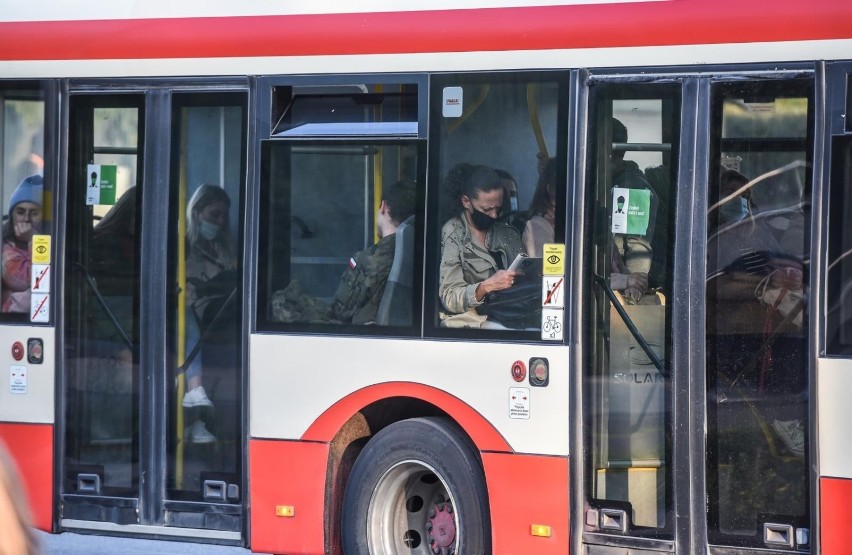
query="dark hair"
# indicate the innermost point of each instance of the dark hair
(619, 131)
(545, 190)
(401, 198)
(505, 175)
(467, 179)
(116, 220)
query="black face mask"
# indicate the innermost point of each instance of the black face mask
(481, 220)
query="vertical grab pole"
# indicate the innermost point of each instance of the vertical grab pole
(377, 175)
(181, 305)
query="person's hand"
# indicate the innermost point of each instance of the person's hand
(24, 231)
(502, 279)
(637, 284)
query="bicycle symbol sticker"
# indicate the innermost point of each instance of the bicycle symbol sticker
(552, 324)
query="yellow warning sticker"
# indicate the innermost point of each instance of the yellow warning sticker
(41, 249)
(553, 259)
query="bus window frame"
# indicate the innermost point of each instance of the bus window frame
(562, 78)
(263, 292)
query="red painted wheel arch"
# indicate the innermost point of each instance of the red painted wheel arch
(484, 435)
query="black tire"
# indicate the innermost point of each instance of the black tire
(411, 475)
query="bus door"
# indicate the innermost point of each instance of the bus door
(694, 393)
(153, 343)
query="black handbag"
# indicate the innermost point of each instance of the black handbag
(518, 307)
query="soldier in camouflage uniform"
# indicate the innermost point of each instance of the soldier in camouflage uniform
(363, 282)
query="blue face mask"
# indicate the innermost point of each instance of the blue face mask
(208, 231)
(513, 202)
(733, 211)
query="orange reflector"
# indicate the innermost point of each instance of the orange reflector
(541, 530)
(285, 510)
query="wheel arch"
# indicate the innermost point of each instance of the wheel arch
(348, 424)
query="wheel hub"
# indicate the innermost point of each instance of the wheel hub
(442, 529)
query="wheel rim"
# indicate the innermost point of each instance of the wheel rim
(412, 512)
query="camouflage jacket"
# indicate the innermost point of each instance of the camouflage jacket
(363, 282)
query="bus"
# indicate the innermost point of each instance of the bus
(510, 277)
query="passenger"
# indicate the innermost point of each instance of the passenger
(210, 280)
(24, 221)
(756, 303)
(112, 265)
(476, 249)
(16, 536)
(510, 192)
(363, 282)
(631, 262)
(540, 228)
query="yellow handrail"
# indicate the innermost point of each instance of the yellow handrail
(181, 305)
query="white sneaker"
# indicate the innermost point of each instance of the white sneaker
(792, 433)
(197, 398)
(198, 433)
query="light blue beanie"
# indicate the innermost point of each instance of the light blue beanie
(29, 190)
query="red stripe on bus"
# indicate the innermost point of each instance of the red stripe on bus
(287, 473)
(31, 447)
(835, 514)
(663, 23)
(524, 490)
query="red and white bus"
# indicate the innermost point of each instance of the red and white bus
(184, 184)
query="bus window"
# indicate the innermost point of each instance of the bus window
(204, 420)
(635, 133)
(756, 321)
(26, 206)
(839, 321)
(102, 308)
(340, 219)
(498, 194)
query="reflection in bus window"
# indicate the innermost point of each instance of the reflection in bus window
(757, 280)
(839, 321)
(102, 307)
(204, 419)
(635, 132)
(342, 225)
(21, 168)
(492, 190)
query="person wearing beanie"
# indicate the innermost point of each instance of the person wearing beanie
(25, 217)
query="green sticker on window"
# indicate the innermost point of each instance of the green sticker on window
(631, 211)
(100, 184)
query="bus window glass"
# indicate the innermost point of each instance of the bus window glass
(498, 194)
(757, 317)
(635, 133)
(340, 219)
(205, 315)
(102, 331)
(26, 206)
(839, 321)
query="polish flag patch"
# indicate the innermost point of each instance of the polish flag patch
(352, 263)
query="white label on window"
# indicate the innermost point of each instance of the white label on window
(519, 403)
(551, 292)
(453, 105)
(552, 324)
(18, 379)
(40, 307)
(40, 282)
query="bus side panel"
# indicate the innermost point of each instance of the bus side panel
(524, 490)
(31, 448)
(835, 514)
(292, 474)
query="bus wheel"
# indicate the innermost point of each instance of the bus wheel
(417, 488)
